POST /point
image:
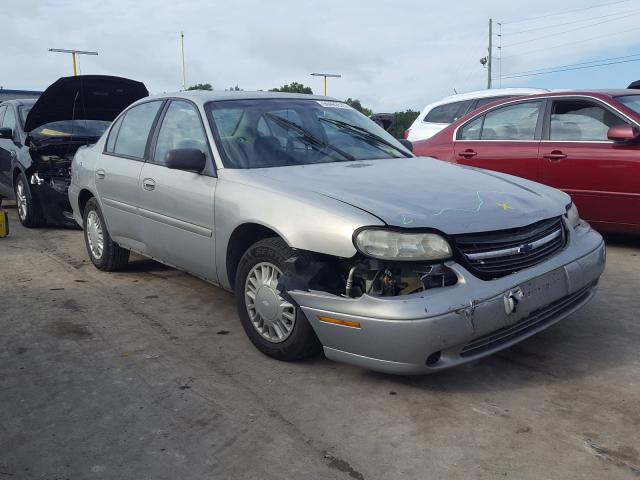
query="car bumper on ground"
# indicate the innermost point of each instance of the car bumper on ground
(444, 327)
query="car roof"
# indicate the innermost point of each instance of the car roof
(20, 101)
(204, 96)
(493, 92)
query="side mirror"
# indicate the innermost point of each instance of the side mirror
(190, 159)
(406, 144)
(6, 133)
(622, 133)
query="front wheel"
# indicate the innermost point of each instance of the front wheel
(276, 327)
(29, 210)
(103, 251)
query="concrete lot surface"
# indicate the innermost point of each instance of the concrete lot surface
(147, 374)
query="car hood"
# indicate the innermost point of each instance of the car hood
(424, 193)
(84, 97)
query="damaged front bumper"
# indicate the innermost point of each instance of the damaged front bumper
(443, 327)
(51, 194)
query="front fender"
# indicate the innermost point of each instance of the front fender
(304, 220)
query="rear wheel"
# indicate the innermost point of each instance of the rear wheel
(276, 327)
(103, 251)
(29, 210)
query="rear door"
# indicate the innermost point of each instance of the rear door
(176, 206)
(601, 176)
(117, 172)
(505, 139)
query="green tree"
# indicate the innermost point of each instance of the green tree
(200, 86)
(403, 120)
(293, 87)
(355, 103)
(234, 89)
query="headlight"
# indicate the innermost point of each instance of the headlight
(572, 216)
(390, 245)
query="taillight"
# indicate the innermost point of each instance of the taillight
(406, 133)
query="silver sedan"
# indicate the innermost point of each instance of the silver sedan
(330, 232)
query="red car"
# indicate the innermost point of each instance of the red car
(585, 143)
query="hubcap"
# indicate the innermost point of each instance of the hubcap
(21, 197)
(271, 315)
(94, 234)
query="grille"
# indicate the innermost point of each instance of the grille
(499, 253)
(539, 318)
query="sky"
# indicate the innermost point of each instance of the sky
(392, 55)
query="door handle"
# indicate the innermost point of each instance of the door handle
(468, 153)
(13, 154)
(100, 173)
(554, 156)
(148, 184)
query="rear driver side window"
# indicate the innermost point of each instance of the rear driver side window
(133, 133)
(514, 122)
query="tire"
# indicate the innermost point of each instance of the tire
(28, 206)
(300, 341)
(112, 256)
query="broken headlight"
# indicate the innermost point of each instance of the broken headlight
(392, 245)
(572, 216)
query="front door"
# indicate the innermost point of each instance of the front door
(601, 176)
(505, 139)
(177, 207)
(117, 173)
(8, 150)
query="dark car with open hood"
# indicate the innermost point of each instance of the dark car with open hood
(38, 139)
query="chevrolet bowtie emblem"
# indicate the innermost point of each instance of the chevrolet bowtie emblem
(505, 206)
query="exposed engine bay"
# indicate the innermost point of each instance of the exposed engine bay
(52, 163)
(358, 276)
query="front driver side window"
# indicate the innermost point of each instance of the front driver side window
(181, 128)
(580, 120)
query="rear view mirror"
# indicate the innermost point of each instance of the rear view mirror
(6, 133)
(622, 133)
(190, 159)
(406, 144)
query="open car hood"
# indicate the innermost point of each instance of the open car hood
(84, 97)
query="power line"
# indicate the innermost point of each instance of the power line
(571, 43)
(567, 11)
(570, 69)
(508, 34)
(571, 30)
(536, 70)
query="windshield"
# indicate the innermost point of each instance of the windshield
(24, 111)
(279, 132)
(630, 101)
(69, 128)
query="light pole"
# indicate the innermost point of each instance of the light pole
(325, 75)
(73, 56)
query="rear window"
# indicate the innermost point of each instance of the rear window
(447, 113)
(632, 102)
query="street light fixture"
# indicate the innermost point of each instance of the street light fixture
(73, 56)
(325, 75)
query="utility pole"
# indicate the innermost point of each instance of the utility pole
(325, 75)
(489, 57)
(184, 73)
(73, 56)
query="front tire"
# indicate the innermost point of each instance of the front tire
(104, 253)
(29, 209)
(276, 327)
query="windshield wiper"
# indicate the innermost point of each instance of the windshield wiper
(363, 132)
(308, 136)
